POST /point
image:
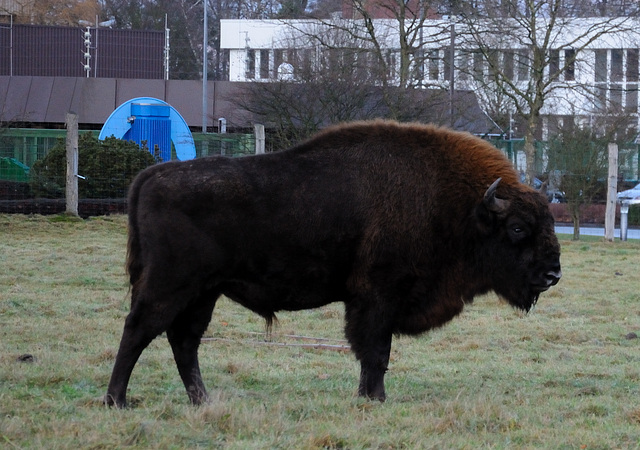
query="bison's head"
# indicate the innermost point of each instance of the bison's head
(519, 254)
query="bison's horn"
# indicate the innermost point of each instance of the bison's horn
(494, 204)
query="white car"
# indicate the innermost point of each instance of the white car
(630, 196)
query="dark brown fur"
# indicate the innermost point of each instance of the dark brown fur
(396, 221)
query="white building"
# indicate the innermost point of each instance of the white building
(594, 62)
(605, 70)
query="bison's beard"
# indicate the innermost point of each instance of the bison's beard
(532, 295)
(533, 300)
(525, 300)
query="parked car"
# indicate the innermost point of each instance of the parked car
(553, 195)
(631, 196)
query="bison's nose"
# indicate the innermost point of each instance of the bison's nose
(553, 276)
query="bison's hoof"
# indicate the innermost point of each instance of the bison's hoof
(110, 401)
(379, 396)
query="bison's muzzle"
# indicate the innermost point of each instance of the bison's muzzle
(550, 278)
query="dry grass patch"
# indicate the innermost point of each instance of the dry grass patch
(564, 376)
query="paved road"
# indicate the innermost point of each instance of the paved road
(632, 233)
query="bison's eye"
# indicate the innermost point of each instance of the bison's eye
(517, 231)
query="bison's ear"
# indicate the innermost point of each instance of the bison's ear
(493, 203)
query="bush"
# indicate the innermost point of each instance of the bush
(108, 167)
(634, 215)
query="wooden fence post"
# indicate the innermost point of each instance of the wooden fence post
(259, 132)
(612, 190)
(72, 164)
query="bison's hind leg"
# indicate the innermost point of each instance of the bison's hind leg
(140, 328)
(183, 315)
(184, 335)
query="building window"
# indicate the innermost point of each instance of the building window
(632, 65)
(305, 62)
(569, 65)
(508, 57)
(523, 65)
(264, 64)
(446, 63)
(463, 66)
(554, 65)
(390, 58)
(600, 100)
(631, 100)
(616, 65)
(349, 59)
(478, 65)
(331, 59)
(600, 68)
(364, 66)
(616, 80)
(433, 64)
(615, 97)
(251, 64)
(277, 62)
(493, 62)
(562, 65)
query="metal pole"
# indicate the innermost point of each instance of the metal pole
(624, 220)
(452, 71)
(205, 42)
(95, 52)
(166, 48)
(11, 46)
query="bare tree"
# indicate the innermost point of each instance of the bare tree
(334, 70)
(185, 21)
(56, 12)
(389, 34)
(526, 53)
(579, 155)
(294, 111)
(312, 87)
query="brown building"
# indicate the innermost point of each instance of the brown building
(37, 50)
(42, 102)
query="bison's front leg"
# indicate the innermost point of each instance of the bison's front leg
(369, 333)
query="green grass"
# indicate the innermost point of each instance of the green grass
(563, 376)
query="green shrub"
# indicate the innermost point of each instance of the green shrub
(634, 215)
(108, 167)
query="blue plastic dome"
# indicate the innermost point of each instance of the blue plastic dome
(154, 121)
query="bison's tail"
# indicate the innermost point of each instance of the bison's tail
(134, 264)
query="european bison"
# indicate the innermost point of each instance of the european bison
(404, 223)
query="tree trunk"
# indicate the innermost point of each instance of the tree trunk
(575, 215)
(612, 189)
(530, 154)
(72, 164)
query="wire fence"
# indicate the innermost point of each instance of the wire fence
(32, 177)
(548, 160)
(25, 156)
(575, 173)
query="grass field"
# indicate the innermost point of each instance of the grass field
(564, 376)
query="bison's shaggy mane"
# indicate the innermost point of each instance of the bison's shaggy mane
(468, 153)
